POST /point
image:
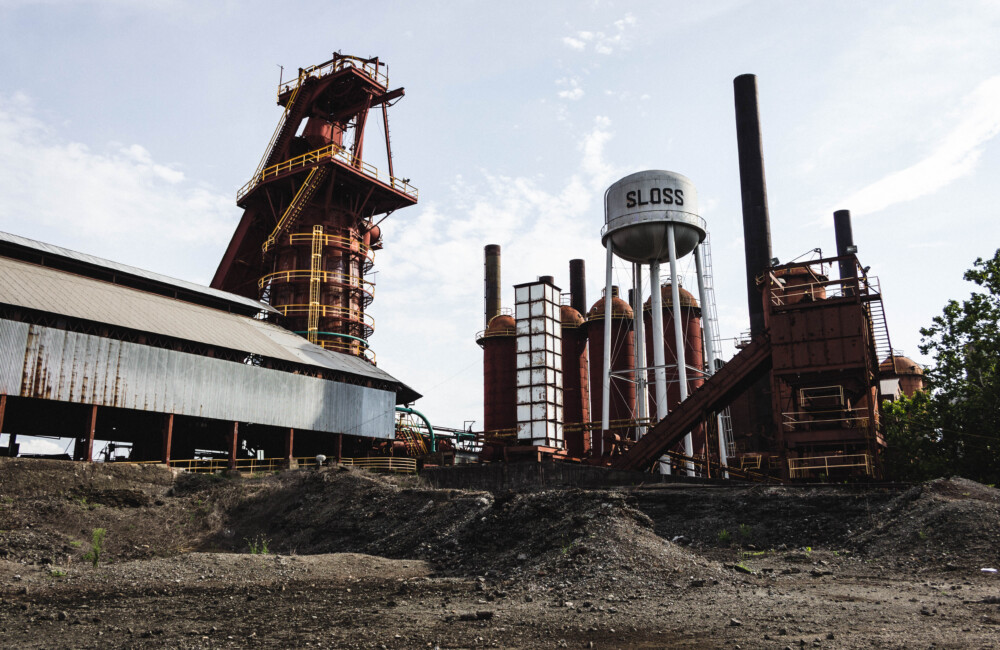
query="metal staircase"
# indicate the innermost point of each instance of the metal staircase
(299, 202)
(753, 362)
(880, 331)
(711, 317)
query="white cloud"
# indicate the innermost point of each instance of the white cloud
(604, 43)
(540, 230)
(955, 155)
(117, 201)
(571, 89)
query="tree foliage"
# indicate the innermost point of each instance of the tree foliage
(954, 427)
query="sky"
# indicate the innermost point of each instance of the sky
(126, 127)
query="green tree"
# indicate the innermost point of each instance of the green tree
(954, 428)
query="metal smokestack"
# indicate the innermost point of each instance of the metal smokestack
(845, 240)
(578, 286)
(756, 228)
(756, 222)
(492, 274)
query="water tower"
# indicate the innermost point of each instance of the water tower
(652, 217)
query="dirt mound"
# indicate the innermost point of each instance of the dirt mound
(459, 532)
(947, 522)
(49, 510)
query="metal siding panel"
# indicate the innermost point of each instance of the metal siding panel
(13, 341)
(81, 368)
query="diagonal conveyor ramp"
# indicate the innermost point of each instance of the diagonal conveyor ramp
(716, 393)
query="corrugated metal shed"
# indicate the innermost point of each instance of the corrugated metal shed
(48, 363)
(11, 241)
(57, 292)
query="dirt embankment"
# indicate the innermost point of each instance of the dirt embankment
(347, 559)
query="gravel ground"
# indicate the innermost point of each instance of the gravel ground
(355, 560)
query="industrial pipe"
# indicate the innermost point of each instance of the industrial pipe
(492, 280)
(753, 187)
(406, 409)
(578, 286)
(756, 224)
(845, 243)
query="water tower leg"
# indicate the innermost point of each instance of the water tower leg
(679, 335)
(642, 394)
(606, 379)
(659, 354)
(709, 337)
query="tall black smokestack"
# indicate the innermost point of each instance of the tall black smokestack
(845, 240)
(756, 228)
(756, 222)
(492, 274)
(578, 286)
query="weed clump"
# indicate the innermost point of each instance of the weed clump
(96, 546)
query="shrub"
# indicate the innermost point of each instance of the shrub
(96, 546)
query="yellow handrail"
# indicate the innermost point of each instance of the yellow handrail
(315, 177)
(329, 152)
(329, 311)
(799, 467)
(325, 276)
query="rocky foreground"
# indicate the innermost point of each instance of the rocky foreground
(345, 559)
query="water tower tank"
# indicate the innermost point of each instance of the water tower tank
(638, 208)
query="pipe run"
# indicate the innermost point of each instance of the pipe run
(408, 410)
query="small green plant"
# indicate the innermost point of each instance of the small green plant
(745, 531)
(921, 534)
(754, 553)
(57, 573)
(743, 568)
(76, 544)
(96, 546)
(808, 550)
(258, 545)
(725, 536)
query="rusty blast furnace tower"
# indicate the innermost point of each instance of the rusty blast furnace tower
(308, 234)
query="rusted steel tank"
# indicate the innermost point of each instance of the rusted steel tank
(499, 374)
(622, 403)
(909, 373)
(693, 350)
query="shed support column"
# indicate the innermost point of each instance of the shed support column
(13, 436)
(168, 438)
(88, 442)
(290, 446)
(232, 444)
(340, 446)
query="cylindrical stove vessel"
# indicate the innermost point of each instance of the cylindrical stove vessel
(576, 388)
(499, 374)
(622, 402)
(693, 349)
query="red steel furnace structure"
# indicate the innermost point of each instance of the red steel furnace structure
(307, 237)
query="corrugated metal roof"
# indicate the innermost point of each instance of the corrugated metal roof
(92, 260)
(56, 292)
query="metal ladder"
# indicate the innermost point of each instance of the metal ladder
(880, 331)
(711, 316)
(313, 180)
